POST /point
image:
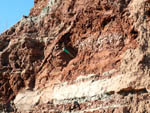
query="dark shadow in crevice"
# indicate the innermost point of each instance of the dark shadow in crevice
(5, 59)
(66, 45)
(105, 21)
(125, 92)
(147, 13)
(145, 62)
(134, 33)
(3, 44)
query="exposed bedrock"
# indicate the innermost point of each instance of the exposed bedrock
(78, 56)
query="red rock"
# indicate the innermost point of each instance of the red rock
(109, 46)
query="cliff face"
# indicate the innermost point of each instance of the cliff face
(82, 56)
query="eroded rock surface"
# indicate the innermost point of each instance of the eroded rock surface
(79, 56)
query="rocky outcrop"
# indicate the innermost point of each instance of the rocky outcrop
(82, 56)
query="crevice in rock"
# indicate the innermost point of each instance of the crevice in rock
(124, 4)
(127, 91)
(71, 7)
(66, 45)
(3, 44)
(31, 84)
(147, 13)
(4, 59)
(106, 21)
(134, 33)
(145, 61)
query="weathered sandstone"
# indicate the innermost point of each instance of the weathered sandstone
(107, 69)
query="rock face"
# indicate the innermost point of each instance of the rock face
(79, 56)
